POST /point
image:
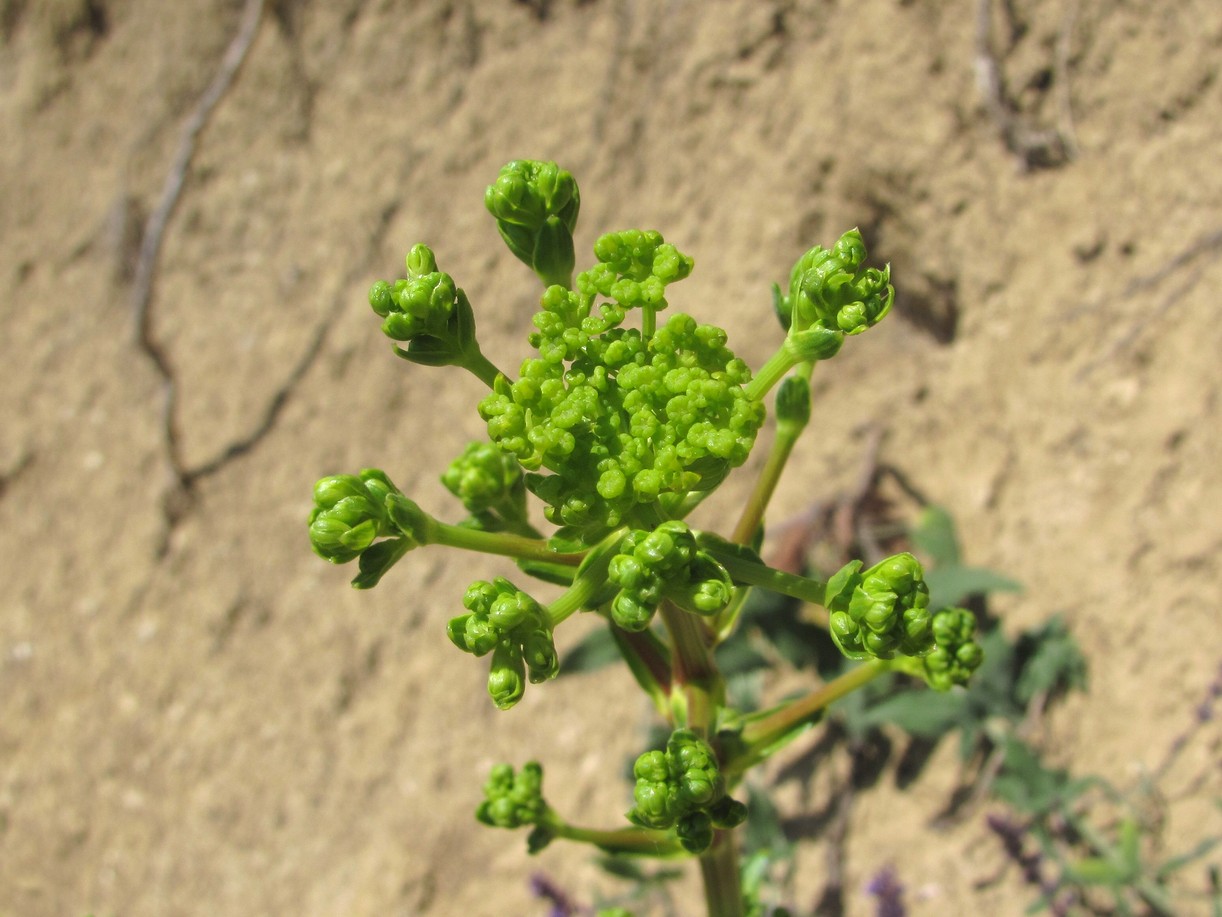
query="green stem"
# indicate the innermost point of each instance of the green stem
(750, 573)
(505, 544)
(649, 321)
(791, 421)
(771, 373)
(764, 735)
(482, 368)
(703, 691)
(577, 595)
(591, 577)
(631, 841)
(695, 672)
(719, 870)
(765, 485)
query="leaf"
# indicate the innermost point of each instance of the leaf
(595, 650)
(1097, 871)
(921, 713)
(1053, 661)
(934, 536)
(1030, 787)
(567, 540)
(954, 585)
(556, 574)
(764, 830)
(628, 869)
(778, 620)
(737, 657)
(1176, 863)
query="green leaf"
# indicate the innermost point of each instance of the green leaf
(954, 585)
(556, 574)
(764, 830)
(567, 540)
(1030, 787)
(934, 536)
(629, 869)
(1176, 863)
(927, 714)
(1097, 871)
(738, 657)
(1054, 662)
(594, 651)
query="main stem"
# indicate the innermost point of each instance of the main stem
(723, 893)
(703, 687)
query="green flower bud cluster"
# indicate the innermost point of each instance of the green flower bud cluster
(489, 483)
(352, 511)
(882, 611)
(535, 205)
(515, 629)
(623, 418)
(682, 788)
(832, 289)
(349, 514)
(513, 800)
(665, 563)
(635, 266)
(427, 311)
(957, 654)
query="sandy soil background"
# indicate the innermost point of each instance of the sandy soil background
(197, 716)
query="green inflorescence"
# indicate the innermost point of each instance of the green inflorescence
(682, 788)
(513, 800)
(621, 429)
(957, 654)
(665, 563)
(490, 485)
(834, 289)
(515, 629)
(881, 612)
(622, 420)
